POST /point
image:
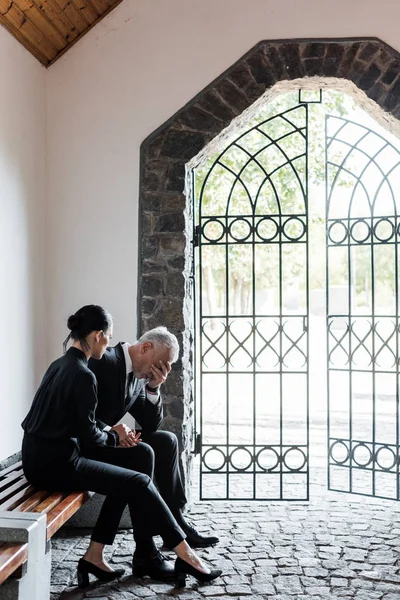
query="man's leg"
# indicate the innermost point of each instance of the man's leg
(168, 479)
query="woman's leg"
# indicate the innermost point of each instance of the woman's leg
(139, 458)
(150, 513)
(148, 510)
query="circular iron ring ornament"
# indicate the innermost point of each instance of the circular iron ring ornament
(210, 222)
(273, 454)
(377, 225)
(302, 228)
(267, 222)
(339, 444)
(237, 468)
(394, 458)
(359, 447)
(218, 451)
(237, 223)
(286, 456)
(360, 239)
(334, 230)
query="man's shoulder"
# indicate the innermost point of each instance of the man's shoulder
(111, 356)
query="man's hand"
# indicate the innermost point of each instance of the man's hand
(133, 439)
(159, 373)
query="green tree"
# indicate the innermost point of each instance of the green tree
(260, 174)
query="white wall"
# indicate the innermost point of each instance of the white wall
(22, 234)
(125, 78)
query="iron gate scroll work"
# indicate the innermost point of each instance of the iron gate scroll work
(362, 232)
(252, 315)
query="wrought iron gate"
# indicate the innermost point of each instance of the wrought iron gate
(252, 313)
(362, 229)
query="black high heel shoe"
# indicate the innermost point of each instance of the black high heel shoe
(85, 567)
(182, 568)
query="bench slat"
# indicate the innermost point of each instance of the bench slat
(51, 502)
(17, 465)
(61, 513)
(32, 501)
(18, 469)
(8, 492)
(16, 499)
(7, 481)
(11, 557)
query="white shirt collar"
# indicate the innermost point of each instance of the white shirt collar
(128, 361)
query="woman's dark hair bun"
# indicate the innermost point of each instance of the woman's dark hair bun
(73, 322)
(87, 319)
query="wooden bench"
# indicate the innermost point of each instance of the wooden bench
(18, 496)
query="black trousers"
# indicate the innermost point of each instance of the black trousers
(59, 466)
(158, 454)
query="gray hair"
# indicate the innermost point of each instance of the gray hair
(160, 337)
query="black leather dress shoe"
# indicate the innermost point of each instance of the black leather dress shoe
(155, 566)
(196, 540)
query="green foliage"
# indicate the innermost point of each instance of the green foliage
(258, 182)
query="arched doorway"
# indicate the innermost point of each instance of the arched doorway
(165, 253)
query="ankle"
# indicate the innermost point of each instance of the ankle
(145, 549)
(94, 552)
(179, 518)
(185, 552)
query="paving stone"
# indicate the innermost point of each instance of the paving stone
(316, 572)
(339, 582)
(312, 582)
(240, 590)
(361, 584)
(213, 590)
(310, 562)
(327, 548)
(239, 579)
(343, 573)
(288, 584)
(374, 575)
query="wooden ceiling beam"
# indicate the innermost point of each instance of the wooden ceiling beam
(39, 19)
(58, 18)
(22, 39)
(87, 10)
(48, 28)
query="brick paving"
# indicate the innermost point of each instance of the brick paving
(335, 546)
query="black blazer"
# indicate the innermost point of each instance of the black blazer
(112, 405)
(64, 406)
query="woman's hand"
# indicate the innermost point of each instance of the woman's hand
(122, 430)
(159, 373)
(133, 439)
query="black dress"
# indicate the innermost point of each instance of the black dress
(62, 445)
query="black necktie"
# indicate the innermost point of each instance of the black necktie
(129, 383)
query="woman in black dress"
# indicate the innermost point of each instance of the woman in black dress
(61, 436)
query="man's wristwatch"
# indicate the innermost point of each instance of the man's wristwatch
(151, 389)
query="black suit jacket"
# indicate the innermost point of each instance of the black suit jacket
(112, 405)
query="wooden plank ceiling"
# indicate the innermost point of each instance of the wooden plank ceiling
(47, 28)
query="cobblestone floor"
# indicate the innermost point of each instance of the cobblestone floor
(335, 546)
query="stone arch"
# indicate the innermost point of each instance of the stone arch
(164, 287)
